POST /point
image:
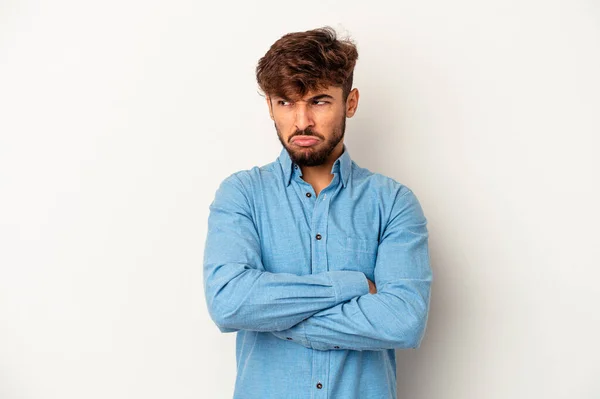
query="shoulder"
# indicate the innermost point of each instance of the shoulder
(252, 177)
(386, 185)
(395, 198)
(246, 181)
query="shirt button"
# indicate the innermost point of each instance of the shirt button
(289, 338)
(318, 236)
(319, 385)
(295, 166)
(308, 195)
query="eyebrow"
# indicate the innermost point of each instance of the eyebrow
(315, 98)
(320, 96)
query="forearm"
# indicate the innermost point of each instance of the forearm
(369, 322)
(394, 317)
(240, 293)
(240, 298)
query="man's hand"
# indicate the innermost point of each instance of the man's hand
(372, 287)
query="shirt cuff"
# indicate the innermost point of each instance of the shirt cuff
(348, 284)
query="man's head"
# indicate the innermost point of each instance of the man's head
(307, 81)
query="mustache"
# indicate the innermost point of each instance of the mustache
(306, 132)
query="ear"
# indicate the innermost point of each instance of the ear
(270, 105)
(352, 103)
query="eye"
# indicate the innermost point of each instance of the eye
(320, 102)
(283, 103)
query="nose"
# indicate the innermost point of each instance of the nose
(303, 117)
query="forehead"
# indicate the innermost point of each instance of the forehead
(333, 91)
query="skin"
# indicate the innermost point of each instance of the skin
(321, 114)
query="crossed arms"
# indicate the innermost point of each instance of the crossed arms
(324, 311)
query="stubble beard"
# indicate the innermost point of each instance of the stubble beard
(311, 156)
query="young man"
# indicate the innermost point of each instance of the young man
(321, 266)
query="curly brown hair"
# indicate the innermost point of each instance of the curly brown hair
(300, 62)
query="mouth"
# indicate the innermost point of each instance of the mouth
(305, 141)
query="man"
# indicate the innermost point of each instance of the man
(321, 266)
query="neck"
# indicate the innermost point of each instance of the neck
(322, 173)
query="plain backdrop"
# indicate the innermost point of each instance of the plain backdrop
(118, 120)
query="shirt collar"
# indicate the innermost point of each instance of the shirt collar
(342, 165)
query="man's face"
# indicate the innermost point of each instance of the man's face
(319, 118)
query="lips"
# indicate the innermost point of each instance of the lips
(305, 141)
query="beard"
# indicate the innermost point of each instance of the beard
(312, 156)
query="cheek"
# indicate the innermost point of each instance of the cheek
(329, 123)
(279, 124)
(283, 120)
(285, 128)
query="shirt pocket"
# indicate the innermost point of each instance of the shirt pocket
(360, 254)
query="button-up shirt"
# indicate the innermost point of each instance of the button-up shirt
(287, 271)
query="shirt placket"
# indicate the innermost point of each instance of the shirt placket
(320, 374)
(319, 220)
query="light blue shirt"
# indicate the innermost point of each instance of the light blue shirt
(288, 270)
